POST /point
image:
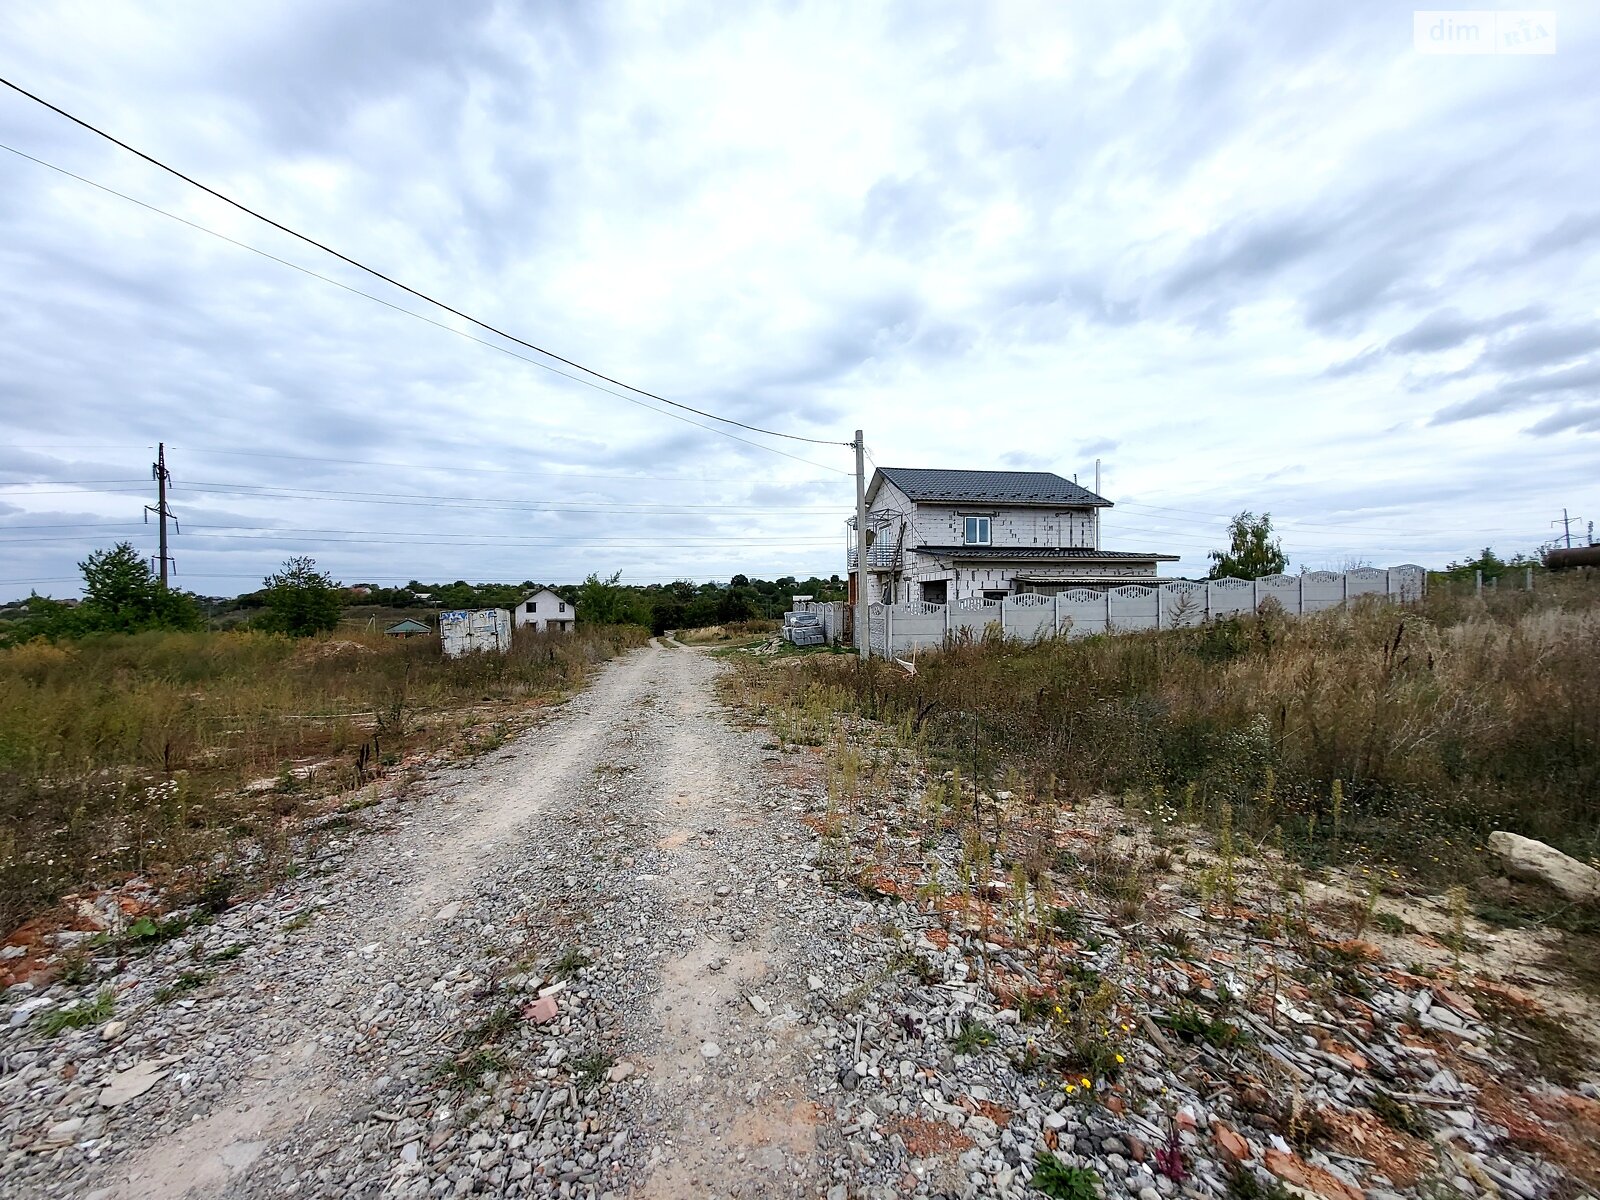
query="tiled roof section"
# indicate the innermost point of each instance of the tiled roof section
(1036, 553)
(991, 487)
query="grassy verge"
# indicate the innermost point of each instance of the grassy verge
(722, 635)
(137, 754)
(1404, 733)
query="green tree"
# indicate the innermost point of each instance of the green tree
(607, 602)
(122, 595)
(1252, 551)
(301, 600)
(1488, 562)
(668, 614)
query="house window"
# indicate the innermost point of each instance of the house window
(562, 607)
(936, 591)
(977, 531)
(995, 595)
(531, 606)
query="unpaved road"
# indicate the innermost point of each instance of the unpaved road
(636, 828)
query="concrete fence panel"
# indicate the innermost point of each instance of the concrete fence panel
(1181, 604)
(1030, 618)
(918, 625)
(1321, 590)
(1285, 589)
(1225, 597)
(1083, 612)
(1407, 582)
(1132, 606)
(1365, 581)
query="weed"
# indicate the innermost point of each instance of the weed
(1391, 923)
(1458, 922)
(147, 933)
(1179, 941)
(299, 921)
(1396, 1115)
(185, 983)
(1192, 1024)
(1068, 921)
(569, 964)
(76, 967)
(1244, 1185)
(1547, 1044)
(493, 1027)
(589, 1070)
(1061, 1182)
(228, 953)
(90, 1012)
(467, 1069)
(974, 1036)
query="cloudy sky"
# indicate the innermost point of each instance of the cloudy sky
(1258, 256)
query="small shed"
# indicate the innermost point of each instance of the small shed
(406, 628)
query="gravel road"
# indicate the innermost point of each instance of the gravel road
(387, 1025)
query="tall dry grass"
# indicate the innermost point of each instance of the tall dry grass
(128, 753)
(1411, 732)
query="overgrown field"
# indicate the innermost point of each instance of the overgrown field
(127, 754)
(1406, 732)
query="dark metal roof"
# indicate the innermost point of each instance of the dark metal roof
(991, 487)
(1035, 553)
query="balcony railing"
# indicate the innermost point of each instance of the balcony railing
(883, 555)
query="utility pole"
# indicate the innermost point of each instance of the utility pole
(1566, 526)
(863, 634)
(159, 472)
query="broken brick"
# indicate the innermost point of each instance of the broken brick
(541, 1011)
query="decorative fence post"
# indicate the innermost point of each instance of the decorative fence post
(1055, 610)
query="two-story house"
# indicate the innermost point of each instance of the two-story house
(544, 610)
(943, 536)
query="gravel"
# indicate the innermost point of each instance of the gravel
(615, 957)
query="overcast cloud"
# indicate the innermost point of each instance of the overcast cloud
(1252, 256)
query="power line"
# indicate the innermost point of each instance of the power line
(458, 470)
(428, 500)
(396, 283)
(510, 541)
(461, 333)
(79, 525)
(645, 504)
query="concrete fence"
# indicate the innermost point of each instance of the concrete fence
(898, 629)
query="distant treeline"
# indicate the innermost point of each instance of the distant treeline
(608, 601)
(121, 595)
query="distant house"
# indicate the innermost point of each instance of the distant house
(544, 610)
(942, 536)
(406, 628)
